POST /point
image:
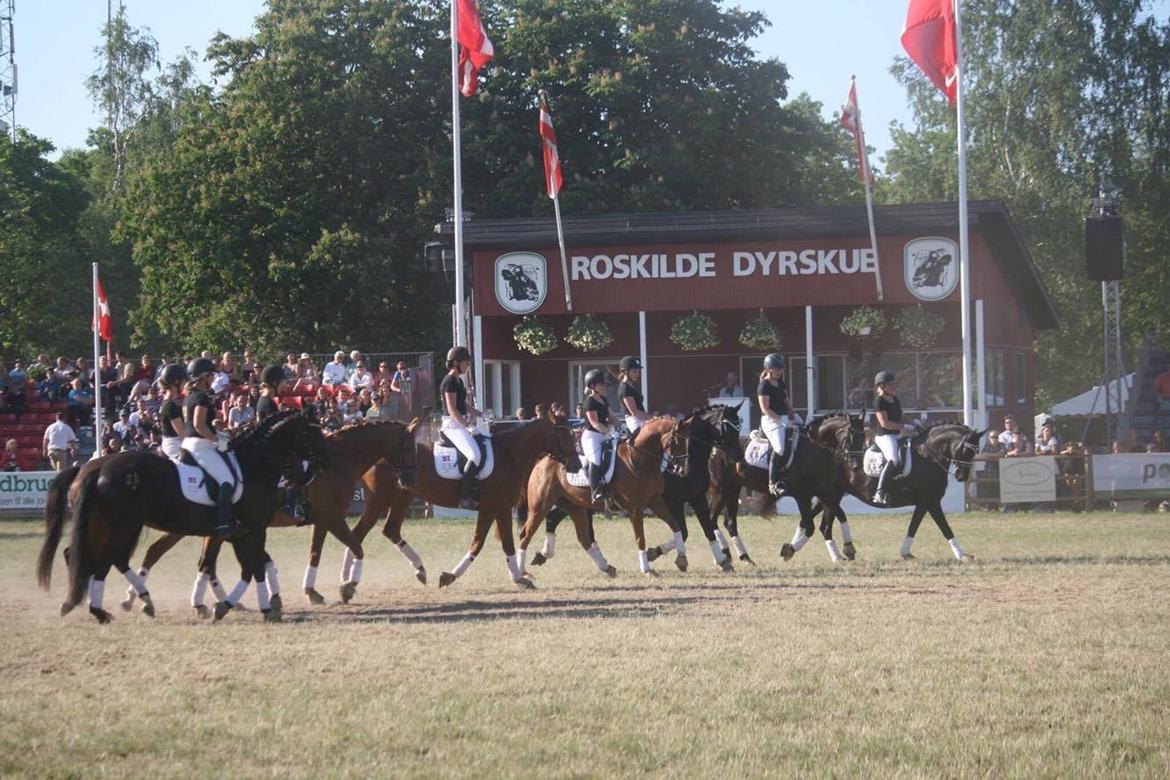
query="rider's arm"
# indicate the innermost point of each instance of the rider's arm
(631, 406)
(595, 421)
(200, 423)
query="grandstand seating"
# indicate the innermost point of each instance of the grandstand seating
(29, 432)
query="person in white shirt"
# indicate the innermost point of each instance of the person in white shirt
(731, 387)
(221, 382)
(60, 444)
(360, 377)
(335, 372)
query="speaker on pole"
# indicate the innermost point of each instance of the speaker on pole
(1104, 248)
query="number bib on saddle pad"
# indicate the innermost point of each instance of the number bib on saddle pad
(581, 478)
(196, 486)
(759, 450)
(450, 462)
(874, 460)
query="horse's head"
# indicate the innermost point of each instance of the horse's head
(728, 431)
(676, 441)
(287, 437)
(562, 444)
(398, 446)
(843, 433)
(957, 444)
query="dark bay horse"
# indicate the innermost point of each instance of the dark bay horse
(351, 452)
(116, 496)
(637, 482)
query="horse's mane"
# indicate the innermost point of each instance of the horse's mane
(259, 436)
(340, 432)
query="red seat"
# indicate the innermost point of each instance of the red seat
(307, 390)
(292, 402)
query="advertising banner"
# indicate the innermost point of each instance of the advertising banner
(1132, 475)
(23, 492)
(1027, 480)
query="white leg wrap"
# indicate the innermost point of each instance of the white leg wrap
(679, 544)
(834, 553)
(355, 571)
(906, 543)
(594, 552)
(719, 537)
(666, 547)
(799, 539)
(740, 548)
(463, 565)
(271, 576)
(97, 591)
(846, 532)
(522, 560)
(513, 568)
(346, 566)
(199, 591)
(218, 590)
(716, 551)
(310, 581)
(957, 549)
(643, 561)
(262, 596)
(136, 581)
(237, 593)
(549, 548)
(410, 555)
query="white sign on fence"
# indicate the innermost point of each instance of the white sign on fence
(1132, 475)
(1027, 480)
(24, 491)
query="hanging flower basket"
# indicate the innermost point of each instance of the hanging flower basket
(589, 334)
(695, 332)
(918, 327)
(534, 335)
(864, 322)
(760, 334)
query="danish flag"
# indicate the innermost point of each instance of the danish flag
(102, 317)
(929, 38)
(553, 180)
(851, 121)
(475, 50)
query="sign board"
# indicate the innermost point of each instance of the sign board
(1132, 475)
(1027, 480)
(745, 410)
(521, 281)
(931, 267)
(24, 491)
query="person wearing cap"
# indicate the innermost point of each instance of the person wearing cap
(731, 387)
(630, 393)
(1047, 443)
(888, 414)
(598, 429)
(360, 377)
(170, 414)
(459, 422)
(270, 379)
(335, 372)
(776, 411)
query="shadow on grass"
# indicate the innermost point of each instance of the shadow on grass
(1085, 560)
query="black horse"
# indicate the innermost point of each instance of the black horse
(935, 452)
(116, 496)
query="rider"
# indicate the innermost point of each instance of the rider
(458, 422)
(200, 440)
(630, 393)
(170, 414)
(772, 396)
(270, 380)
(888, 413)
(597, 430)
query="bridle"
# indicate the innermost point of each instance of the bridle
(556, 456)
(952, 462)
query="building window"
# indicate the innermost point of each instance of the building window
(1021, 379)
(577, 372)
(994, 385)
(829, 380)
(501, 387)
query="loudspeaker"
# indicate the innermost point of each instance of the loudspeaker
(1104, 248)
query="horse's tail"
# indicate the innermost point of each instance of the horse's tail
(56, 504)
(80, 559)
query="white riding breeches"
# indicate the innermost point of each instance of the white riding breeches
(632, 424)
(888, 444)
(462, 438)
(591, 443)
(776, 432)
(172, 447)
(206, 454)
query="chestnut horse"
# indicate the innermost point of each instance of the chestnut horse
(637, 483)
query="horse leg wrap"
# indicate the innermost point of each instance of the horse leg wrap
(521, 559)
(643, 562)
(97, 591)
(957, 548)
(410, 555)
(716, 551)
(217, 589)
(679, 544)
(262, 596)
(513, 568)
(740, 547)
(463, 565)
(666, 547)
(199, 591)
(846, 532)
(834, 553)
(237, 593)
(346, 565)
(272, 578)
(799, 539)
(549, 548)
(136, 582)
(310, 580)
(355, 571)
(719, 537)
(599, 560)
(906, 543)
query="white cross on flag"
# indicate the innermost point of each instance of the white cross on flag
(102, 321)
(475, 50)
(553, 180)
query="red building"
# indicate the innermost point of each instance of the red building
(805, 269)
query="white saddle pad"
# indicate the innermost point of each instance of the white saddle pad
(757, 453)
(581, 478)
(447, 461)
(873, 461)
(192, 481)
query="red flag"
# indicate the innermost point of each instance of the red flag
(851, 121)
(102, 325)
(553, 180)
(475, 50)
(929, 38)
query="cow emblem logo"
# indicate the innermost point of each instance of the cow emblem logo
(931, 267)
(521, 281)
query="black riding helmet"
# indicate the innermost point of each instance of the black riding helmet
(457, 355)
(774, 360)
(629, 363)
(595, 377)
(272, 376)
(199, 368)
(174, 374)
(884, 377)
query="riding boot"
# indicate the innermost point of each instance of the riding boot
(226, 525)
(469, 488)
(880, 496)
(597, 490)
(776, 474)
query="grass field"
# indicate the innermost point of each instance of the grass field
(1048, 657)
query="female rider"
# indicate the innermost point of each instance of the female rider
(630, 393)
(597, 429)
(772, 396)
(458, 422)
(888, 413)
(199, 439)
(170, 414)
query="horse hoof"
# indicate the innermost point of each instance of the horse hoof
(726, 553)
(908, 557)
(315, 598)
(102, 616)
(446, 578)
(726, 567)
(420, 574)
(849, 550)
(681, 562)
(650, 573)
(787, 551)
(202, 612)
(525, 584)
(747, 559)
(128, 604)
(967, 558)
(610, 571)
(347, 591)
(539, 559)
(66, 608)
(221, 609)
(654, 553)
(271, 615)
(276, 602)
(148, 608)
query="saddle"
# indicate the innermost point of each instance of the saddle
(758, 451)
(874, 460)
(608, 459)
(450, 462)
(197, 485)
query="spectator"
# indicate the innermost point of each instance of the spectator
(364, 400)
(60, 443)
(291, 367)
(335, 372)
(152, 401)
(331, 421)
(401, 377)
(17, 378)
(84, 373)
(360, 377)
(221, 382)
(731, 387)
(307, 373)
(104, 374)
(538, 411)
(138, 391)
(80, 401)
(145, 370)
(521, 413)
(993, 446)
(1014, 443)
(163, 362)
(241, 415)
(1157, 442)
(320, 403)
(579, 411)
(383, 374)
(227, 364)
(139, 418)
(249, 369)
(354, 357)
(1047, 443)
(114, 445)
(10, 462)
(377, 411)
(121, 428)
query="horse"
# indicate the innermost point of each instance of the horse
(352, 451)
(935, 452)
(637, 482)
(821, 446)
(116, 496)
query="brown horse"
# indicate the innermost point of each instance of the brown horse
(637, 483)
(351, 453)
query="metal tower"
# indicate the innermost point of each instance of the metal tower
(7, 68)
(1115, 418)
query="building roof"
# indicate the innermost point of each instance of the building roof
(990, 218)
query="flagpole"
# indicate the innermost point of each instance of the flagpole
(564, 257)
(456, 141)
(877, 268)
(964, 228)
(97, 374)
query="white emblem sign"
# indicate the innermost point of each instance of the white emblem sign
(931, 267)
(521, 281)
